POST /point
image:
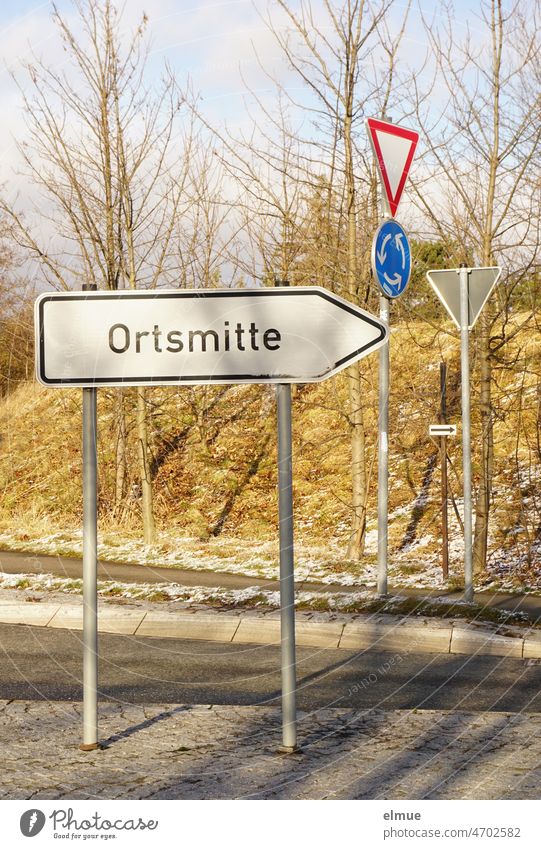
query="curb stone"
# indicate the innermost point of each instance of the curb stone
(402, 635)
(28, 614)
(382, 633)
(111, 621)
(188, 626)
(532, 644)
(466, 640)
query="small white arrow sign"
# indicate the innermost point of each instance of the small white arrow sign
(282, 335)
(481, 282)
(442, 430)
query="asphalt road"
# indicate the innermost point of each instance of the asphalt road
(44, 663)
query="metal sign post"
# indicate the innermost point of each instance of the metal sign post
(464, 304)
(443, 451)
(464, 274)
(90, 569)
(287, 580)
(383, 454)
(393, 148)
(391, 264)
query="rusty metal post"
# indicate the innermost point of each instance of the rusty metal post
(443, 451)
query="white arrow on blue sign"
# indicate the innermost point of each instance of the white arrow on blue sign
(391, 258)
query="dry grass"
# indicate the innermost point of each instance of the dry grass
(215, 474)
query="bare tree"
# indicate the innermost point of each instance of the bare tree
(481, 150)
(329, 53)
(17, 294)
(99, 152)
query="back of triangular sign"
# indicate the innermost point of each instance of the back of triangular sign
(481, 282)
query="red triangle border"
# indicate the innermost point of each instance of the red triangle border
(374, 126)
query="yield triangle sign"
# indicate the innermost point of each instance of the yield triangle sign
(446, 284)
(394, 148)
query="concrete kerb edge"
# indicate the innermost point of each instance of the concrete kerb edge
(493, 643)
(400, 635)
(481, 642)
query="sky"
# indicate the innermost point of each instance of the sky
(221, 45)
(210, 41)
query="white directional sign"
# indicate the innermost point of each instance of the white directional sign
(442, 430)
(282, 335)
(446, 284)
(394, 149)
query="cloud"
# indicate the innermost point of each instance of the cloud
(217, 45)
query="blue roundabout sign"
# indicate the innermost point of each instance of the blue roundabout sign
(391, 258)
